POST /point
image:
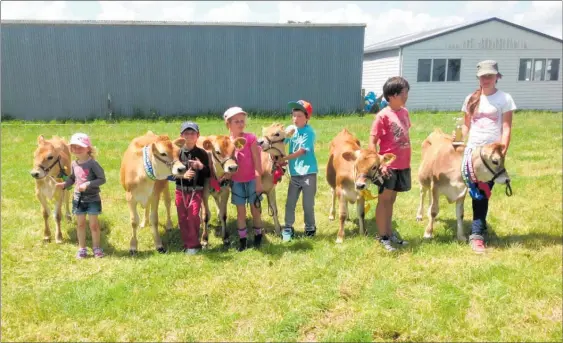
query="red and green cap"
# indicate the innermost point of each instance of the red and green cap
(301, 105)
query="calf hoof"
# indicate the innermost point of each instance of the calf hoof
(132, 252)
(161, 250)
(59, 240)
(204, 244)
(143, 224)
(418, 218)
(427, 235)
(46, 239)
(339, 240)
(68, 218)
(462, 238)
(331, 217)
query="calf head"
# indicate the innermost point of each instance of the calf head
(167, 153)
(222, 149)
(490, 165)
(46, 157)
(367, 166)
(272, 140)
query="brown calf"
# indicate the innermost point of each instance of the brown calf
(350, 169)
(147, 163)
(51, 160)
(221, 151)
(440, 173)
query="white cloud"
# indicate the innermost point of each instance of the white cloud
(543, 16)
(232, 12)
(488, 8)
(37, 10)
(146, 10)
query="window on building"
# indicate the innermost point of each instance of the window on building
(454, 69)
(438, 70)
(538, 69)
(525, 73)
(424, 67)
(552, 70)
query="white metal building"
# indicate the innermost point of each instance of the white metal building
(440, 64)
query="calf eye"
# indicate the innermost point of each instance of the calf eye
(495, 162)
(277, 134)
(50, 158)
(162, 154)
(218, 152)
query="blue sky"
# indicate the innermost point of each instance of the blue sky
(385, 19)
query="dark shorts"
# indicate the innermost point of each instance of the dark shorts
(399, 181)
(91, 207)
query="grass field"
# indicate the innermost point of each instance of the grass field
(307, 290)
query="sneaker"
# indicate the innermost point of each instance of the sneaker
(82, 253)
(478, 246)
(387, 244)
(191, 251)
(98, 252)
(395, 238)
(287, 234)
(310, 233)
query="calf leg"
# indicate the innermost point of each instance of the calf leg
(432, 211)
(59, 197)
(134, 219)
(361, 214)
(146, 215)
(67, 197)
(45, 208)
(343, 215)
(205, 219)
(459, 215)
(331, 211)
(423, 191)
(167, 203)
(223, 199)
(154, 223)
(273, 204)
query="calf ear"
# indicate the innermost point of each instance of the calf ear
(289, 131)
(351, 156)
(40, 139)
(207, 145)
(179, 142)
(387, 158)
(240, 142)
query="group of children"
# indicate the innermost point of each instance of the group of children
(488, 119)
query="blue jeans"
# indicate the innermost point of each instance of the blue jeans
(91, 207)
(244, 192)
(480, 209)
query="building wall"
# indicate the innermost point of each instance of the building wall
(492, 40)
(378, 67)
(68, 70)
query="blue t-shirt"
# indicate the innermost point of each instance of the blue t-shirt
(302, 138)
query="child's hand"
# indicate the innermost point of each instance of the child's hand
(227, 176)
(385, 172)
(83, 187)
(189, 174)
(195, 164)
(259, 188)
(60, 184)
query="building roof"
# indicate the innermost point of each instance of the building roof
(167, 23)
(417, 37)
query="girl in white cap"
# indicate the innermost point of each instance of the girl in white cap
(87, 175)
(488, 119)
(247, 181)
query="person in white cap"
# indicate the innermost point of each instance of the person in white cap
(87, 175)
(246, 187)
(488, 119)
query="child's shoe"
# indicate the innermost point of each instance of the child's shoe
(386, 242)
(82, 253)
(310, 232)
(396, 238)
(287, 234)
(98, 252)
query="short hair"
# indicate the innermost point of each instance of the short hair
(394, 86)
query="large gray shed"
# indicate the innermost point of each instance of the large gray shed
(68, 68)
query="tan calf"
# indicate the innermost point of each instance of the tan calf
(351, 169)
(221, 151)
(147, 163)
(440, 173)
(273, 148)
(51, 160)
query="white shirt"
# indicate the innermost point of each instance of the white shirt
(486, 123)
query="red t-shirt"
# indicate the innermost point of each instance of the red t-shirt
(392, 129)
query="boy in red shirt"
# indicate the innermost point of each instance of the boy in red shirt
(390, 130)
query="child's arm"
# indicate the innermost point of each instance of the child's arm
(296, 154)
(506, 130)
(307, 145)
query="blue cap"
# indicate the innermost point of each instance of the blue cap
(189, 125)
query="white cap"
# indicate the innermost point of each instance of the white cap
(233, 111)
(81, 139)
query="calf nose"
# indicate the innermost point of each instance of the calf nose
(233, 169)
(260, 141)
(182, 169)
(35, 174)
(360, 186)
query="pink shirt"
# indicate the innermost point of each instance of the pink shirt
(246, 169)
(392, 129)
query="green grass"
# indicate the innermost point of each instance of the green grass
(307, 290)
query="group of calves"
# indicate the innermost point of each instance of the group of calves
(350, 169)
